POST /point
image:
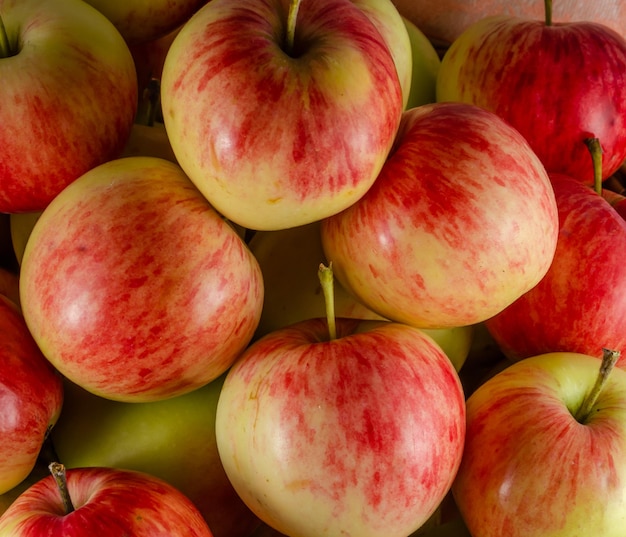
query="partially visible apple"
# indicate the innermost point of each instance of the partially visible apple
(21, 227)
(39, 471)
(10, 285)
(425, 67)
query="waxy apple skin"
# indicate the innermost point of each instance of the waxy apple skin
(580, 304)
(31, 396)
(529, 468)
(557, 85)
(339, 98)
(69, 94)
(461, 221)
(134, 287)
(360, 435)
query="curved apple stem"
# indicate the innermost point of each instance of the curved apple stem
(595, 148)
(294, 7)
(609, 358)
(325, 275)
(5, 48)
(58, 472)
(548, 11)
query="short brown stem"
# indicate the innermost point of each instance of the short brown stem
(609, 359)
(5, 47)
(294, 7)
(58, 472)
(595, 148)
(548, 12)
(325, 274)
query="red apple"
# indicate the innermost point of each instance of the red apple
(461, 221)
(106, 502)
(512, 66)
(280, 120)
(69, 90)
(357, 435)
(134, 287)
(580, 304)
(31, 395)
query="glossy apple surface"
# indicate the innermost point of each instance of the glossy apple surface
(133, 285)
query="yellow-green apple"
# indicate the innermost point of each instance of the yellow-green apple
(289, 259)
(580, 304)
(21, 227)
(31, 396)
(280, 115)
(460, 222)
(69, 90)
(134, 287)
(107, 502)
(545, 449)
(356, 433)
(173, 440)
(511, 66)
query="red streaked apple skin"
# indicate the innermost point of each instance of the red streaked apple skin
(529, 468)
(557, 85)
(461, 221)
(361, 435)
(226, 77)
(134, 287)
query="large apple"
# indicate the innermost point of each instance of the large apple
(358, 434)
(173, 440)
(134, 287)
(512, 66)
(280, 117)
(106, 502)
(69, 90)
(31, 396)
(541, 458)
(461, 221)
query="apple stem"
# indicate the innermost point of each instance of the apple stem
(548, 12)
(294, 7)
(5, 48)
(58, 472)
(595, 148)
(609, 358)
(325, 275)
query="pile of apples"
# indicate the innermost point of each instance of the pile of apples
(312, 267)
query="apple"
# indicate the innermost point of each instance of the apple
(134, 287)
(70, 93)
(616, 200)
(38, 472)
(31, 396)
(21, 226)
(512, 65)
(106, 502)
(345, 428)
(460, 222)
(10, 285)
(280, 117)
(173, 440)
(426, 63)
(149, 141)
(545, 450)
(580, 304)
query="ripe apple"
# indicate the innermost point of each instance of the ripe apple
(360, 434)
(426, 63)
(580, 304)
(461, 221)
(38, 472)
(280, 119)
(173, 440)
(104, 502)
(134, 287)
(69, 90)
(541, 458)
(31, 395)
(512, 66)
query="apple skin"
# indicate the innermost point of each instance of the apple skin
(72, 91)
(109, 503)
(173, 440)
(580, 304)
(461, 221)
(530, 469)
(152, 293)
(340, 102)
(38, 472)
(345, 436)
(511, 67)
(425, 67)
(10, 285)
(31, 396)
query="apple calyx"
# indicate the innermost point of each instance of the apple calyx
(325, 275)
(58, 472)
(548, 12)
(595, 148)
(609, 358)
(5, 47)
(294, 7)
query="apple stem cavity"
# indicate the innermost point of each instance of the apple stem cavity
(325, 275)
(58, 472)
(609, 359)
(5, 46)
(595, 148)
(548, 12)
(294, 7)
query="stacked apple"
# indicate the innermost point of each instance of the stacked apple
(263, 311)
